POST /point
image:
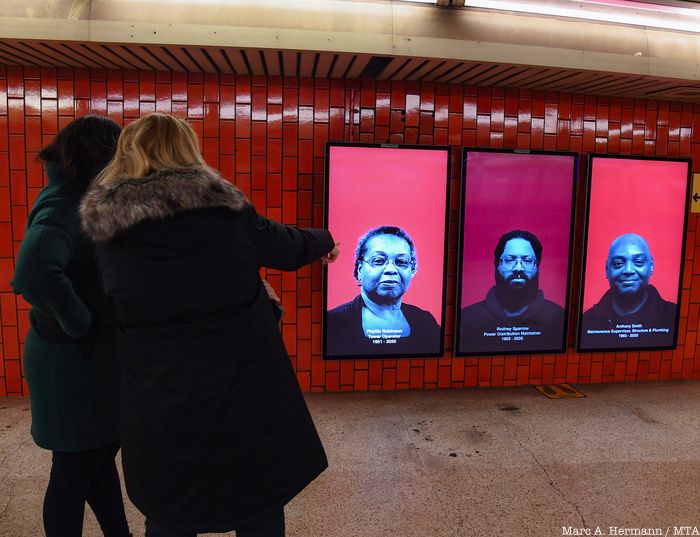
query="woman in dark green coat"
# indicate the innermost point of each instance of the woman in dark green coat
(70, 356)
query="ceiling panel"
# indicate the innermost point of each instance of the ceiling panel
(306, 65)
(60, 55)
(463, 76)
(439, 69)
(78, 50)
(253, 61)
(116, 56)
(203, 59)
(356, 67)
(290, 62)
(234, 58)
(341, 65)
(425, 71)
(325, 62)
(270, 62)
(412, 66)
(515, 74)
(160, 58)
(24, 55)
(486, 77)
(137, 57)
(392, 67)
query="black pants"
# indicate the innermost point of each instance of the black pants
(86, 476)
(269, 525)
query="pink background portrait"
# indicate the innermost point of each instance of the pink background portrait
(506, 191)
(646, 197)
(375, 186)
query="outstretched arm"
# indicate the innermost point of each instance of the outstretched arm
(289, 247)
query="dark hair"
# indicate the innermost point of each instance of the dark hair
(381, 230)
(83, 148)
(517, 234)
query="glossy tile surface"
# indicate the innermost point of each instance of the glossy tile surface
(268, 135)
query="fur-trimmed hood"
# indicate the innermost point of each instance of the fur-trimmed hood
(106, 211)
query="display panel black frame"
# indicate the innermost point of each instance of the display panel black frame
(348, 249)
(567, 238)
(683, 230)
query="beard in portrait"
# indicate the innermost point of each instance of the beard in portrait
(514, 316)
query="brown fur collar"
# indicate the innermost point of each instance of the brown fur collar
(107, 211)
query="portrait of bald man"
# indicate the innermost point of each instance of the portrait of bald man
(631, 312)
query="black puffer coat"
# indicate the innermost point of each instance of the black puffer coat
(215, 429)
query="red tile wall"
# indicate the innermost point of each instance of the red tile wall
(267, 135)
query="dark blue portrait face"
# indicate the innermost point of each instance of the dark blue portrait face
(629, 265)
(386, 269)
(518, 264)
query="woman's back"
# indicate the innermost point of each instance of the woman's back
(198, 265)
(215, 427)
(70, 355)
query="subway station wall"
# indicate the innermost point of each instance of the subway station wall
(267, 135)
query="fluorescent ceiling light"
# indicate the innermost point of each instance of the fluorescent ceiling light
(615, 11)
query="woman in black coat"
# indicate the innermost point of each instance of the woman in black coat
(216, 435)
(70, 352)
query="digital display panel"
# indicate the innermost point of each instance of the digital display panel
(516, 227)
(387, 207)
(635, 233)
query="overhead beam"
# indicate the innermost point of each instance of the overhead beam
(386, 28)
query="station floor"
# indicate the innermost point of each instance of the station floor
(624, 460)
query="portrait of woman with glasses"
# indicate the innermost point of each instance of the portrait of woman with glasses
(378, 321)
(515, 315)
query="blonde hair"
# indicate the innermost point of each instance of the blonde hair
(152, 143)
